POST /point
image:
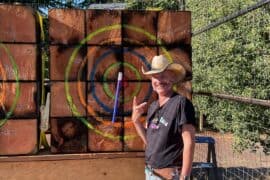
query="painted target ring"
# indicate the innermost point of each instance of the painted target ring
(2, 85)
(106, 88)
(70, 62)
(17, 90)
(108, 91)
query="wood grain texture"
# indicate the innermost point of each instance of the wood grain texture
(26, 105)
(103, 60)
(101, 97)
(174, 27)
(18, 24)
(18, 137)
(145, 21)
(135, 58)
(66, 26)
(135, 143)
(25, 59)
(60, 56)
(59, 100)
(99, 22)
(104, 137)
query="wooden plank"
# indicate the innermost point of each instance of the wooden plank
(66, 26)
(174, 27)
(134, 59)
(25, 60)
(59, 58)
(101, 98)
(144, 22)
(83, 169)
(105, 136)
(134, 142)
(26, 104)
(59, 100)
(103, 62)
(18, 24)
(100, 22)
(68, 135)
(18, 137)
(73, 156)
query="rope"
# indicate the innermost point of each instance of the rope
(44, 124)
(42, 34)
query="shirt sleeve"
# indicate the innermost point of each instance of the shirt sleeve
(186, 112)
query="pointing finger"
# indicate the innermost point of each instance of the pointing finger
(134, 101)
(142, 105)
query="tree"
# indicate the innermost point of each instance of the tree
(233, 59)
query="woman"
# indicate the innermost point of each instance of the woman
(169, 133)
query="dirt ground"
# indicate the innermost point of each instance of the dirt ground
(225, 155)
(233, 165)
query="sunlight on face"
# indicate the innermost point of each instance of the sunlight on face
(162, 82)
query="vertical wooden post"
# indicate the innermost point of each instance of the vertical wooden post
(201, 121)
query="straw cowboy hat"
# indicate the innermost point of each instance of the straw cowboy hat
(161, 63)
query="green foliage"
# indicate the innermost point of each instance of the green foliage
(160, 4)
(233, 58)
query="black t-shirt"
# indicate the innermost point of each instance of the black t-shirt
(164, 128)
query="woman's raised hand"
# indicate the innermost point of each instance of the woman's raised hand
(137, 110)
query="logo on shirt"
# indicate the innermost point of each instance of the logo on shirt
(155, 123)
(154, 126)
(163, 121)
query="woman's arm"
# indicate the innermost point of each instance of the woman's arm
(188, 135)
(137, 112)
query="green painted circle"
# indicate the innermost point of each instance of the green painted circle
(106, 85)
(71, 61)
(17, 91)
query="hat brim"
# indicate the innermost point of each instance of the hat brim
(178, 69)
(153, 71)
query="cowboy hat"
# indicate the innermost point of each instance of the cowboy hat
(161, 63)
